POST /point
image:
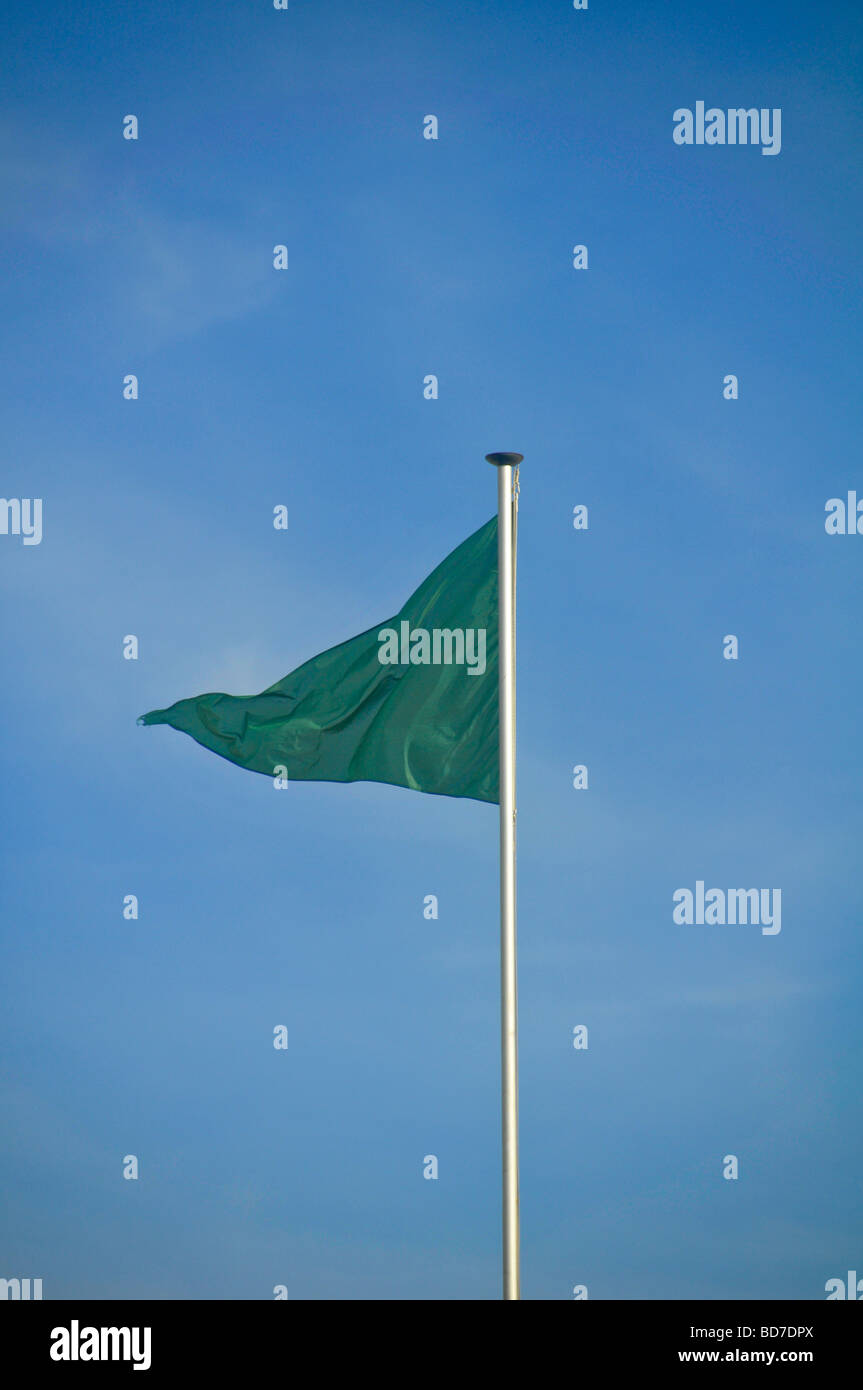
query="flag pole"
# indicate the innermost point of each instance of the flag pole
(507, 509)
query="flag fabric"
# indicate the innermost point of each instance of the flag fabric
(412, 701)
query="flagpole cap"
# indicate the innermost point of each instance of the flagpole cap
(504, 460)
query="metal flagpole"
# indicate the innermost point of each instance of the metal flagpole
(507, 507)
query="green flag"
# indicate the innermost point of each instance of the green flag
(411, 702)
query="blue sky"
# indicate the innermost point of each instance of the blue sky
(304, 387)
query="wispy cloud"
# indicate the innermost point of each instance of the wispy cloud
(157, 275)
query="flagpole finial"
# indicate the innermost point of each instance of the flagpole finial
(504, 460)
